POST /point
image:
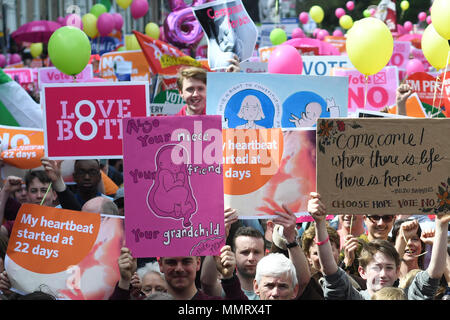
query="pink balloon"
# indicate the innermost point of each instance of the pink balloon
(422, 16)
(285, 59)
(162, 35)
(339, 12)
(298, 33)
(139, 8)
(429, 19)
(322, 34)
(304, 17)
(118, 21)
(316, 32)
(2, 61)
(73, 20)
(15, 58)
(338, 33)
(105, 24)
(61, 21)
(350, 5)
(413, 66)
(372, 11)
(408, 25)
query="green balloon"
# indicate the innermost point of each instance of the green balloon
(107, 4)
(366, 13)
(277, 36)
(69, 50)
(98, 9)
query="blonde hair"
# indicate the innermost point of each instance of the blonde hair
(190, 72)
(389, 293)
(406, 280)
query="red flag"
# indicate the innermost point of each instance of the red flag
(162, 57)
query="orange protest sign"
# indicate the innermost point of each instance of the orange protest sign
(12, 137)
(414, 107)
(140, 69)
(251, 158)
(49, 240)
(23, 157)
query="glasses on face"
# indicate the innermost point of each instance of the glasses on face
(91, 172)
(375, 219)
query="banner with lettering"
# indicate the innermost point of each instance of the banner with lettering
(140, 70)
(84, 120)
(70, 253)
(383, 166)
(229, 30)
(323, 65)
(377, 93)
(20, 75)
(265, 168)
(162, 57)
(400, 55)
(173, 186)
(53, 75)
(262, 100)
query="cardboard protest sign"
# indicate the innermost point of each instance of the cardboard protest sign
(400, 55)
(258, 100)
(139, 72)
(173, 186)
(53, 75)
(383, 166)
(265, 168)
(72, 253)
(377, 93)
(84, 120)
(229, 29)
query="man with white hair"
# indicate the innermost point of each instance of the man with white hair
(276, 278)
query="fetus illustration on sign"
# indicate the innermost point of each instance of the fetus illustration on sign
(171, 195)
(302, 109)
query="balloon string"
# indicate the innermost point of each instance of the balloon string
(365, 90)
(443, 80)
(434, 97)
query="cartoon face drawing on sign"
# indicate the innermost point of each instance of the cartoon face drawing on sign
(251, 110)
(171, 194)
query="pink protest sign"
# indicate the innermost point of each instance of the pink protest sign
(377, 93)
(21, 75)
(53, 75)
(173, 184)
(84, 120)
(400, 55)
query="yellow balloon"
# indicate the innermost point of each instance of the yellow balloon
(435, 48)
(90, 24)
(346, 22)
(369, 45)
(131, 43)
(36, 49)
(152, 30)
(124, 3)
(316, 13)
(404, 5)
(440, 17)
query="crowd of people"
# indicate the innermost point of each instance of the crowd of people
(352, 257)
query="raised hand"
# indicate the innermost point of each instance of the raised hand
(226, 262)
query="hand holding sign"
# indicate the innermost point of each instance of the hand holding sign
(226, 262)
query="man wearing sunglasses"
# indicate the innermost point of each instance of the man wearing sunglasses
(379, 227)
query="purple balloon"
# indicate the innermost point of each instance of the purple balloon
(182, 29)
(339, 12)
(304, 17)
(285, 59)
(2, 61)
(118, 21)
(338, 33)
(139, 8)
(298, 33)
(408, 25)
(413, 66)
(105, 24)
(15, 58)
